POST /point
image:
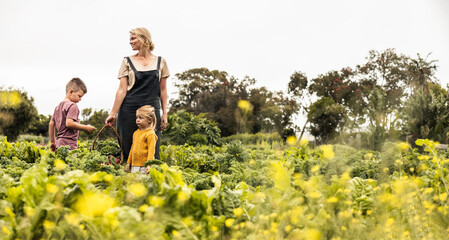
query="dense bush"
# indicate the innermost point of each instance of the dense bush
(184, 127)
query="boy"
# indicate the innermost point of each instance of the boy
(65, 117)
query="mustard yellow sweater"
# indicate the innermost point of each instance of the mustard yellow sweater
(143, 147)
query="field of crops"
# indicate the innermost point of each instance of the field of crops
(235, 191)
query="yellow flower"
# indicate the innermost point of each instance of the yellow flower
(51, 188)
(156, 201)
(10, 98)
(303, 142)
(332, 200)
(315, 194)
(313, 234)
(291, 140)
(29, 211)
(187, 221)
(72, 218)
(238, 212)
(6, 230)
(328, 153)
(280, 176)
(108, 178)
(288, 228)
(315, 169)
(138, 189)
(214, 229)
(183, 197)
(423, 167)
(60, 165)
(245, 106)
(229, 222)
(389, 222)
(143, 208)
(49, 224)
(94, 204)
(9, 212)
(368, 156)
(428, 190)
(443, 197)
(95, 177)
(403, 146)
(176, 234)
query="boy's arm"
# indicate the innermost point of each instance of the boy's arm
(51, 133)
(70, 123)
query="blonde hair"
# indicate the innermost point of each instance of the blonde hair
(145, 37)
(148, 112)
(76, 84)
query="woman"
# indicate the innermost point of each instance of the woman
(143, 81)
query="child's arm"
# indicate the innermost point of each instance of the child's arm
(151, 140)
(70, 123)
(51, 133)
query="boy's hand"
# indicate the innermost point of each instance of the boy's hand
(89, 128)
(53, 147)
(128, 167)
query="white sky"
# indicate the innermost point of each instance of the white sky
(44, 43)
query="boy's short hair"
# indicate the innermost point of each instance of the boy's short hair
(76, 84)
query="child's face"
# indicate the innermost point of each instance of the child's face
(142, 122)
(75, 96)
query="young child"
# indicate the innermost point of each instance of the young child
(65, 117)
(144, 140)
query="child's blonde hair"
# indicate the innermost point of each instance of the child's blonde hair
(148, 112)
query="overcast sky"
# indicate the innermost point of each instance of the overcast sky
(43, 44)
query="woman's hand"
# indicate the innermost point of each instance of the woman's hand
(164, 121)
(110, 121)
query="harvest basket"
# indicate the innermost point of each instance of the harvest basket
(118, 136)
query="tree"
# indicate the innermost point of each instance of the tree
(17, 110)
(39, 125)
(220, 96)
(297, 88)
(325, 116)
(426, 115)
(387, 73)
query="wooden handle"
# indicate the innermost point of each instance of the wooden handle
(119, 138)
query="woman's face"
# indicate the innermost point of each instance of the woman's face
(135, 42)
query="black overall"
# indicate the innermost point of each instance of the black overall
(145, 91)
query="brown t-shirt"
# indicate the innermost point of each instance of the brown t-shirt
(126, 70)
(66, 136)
